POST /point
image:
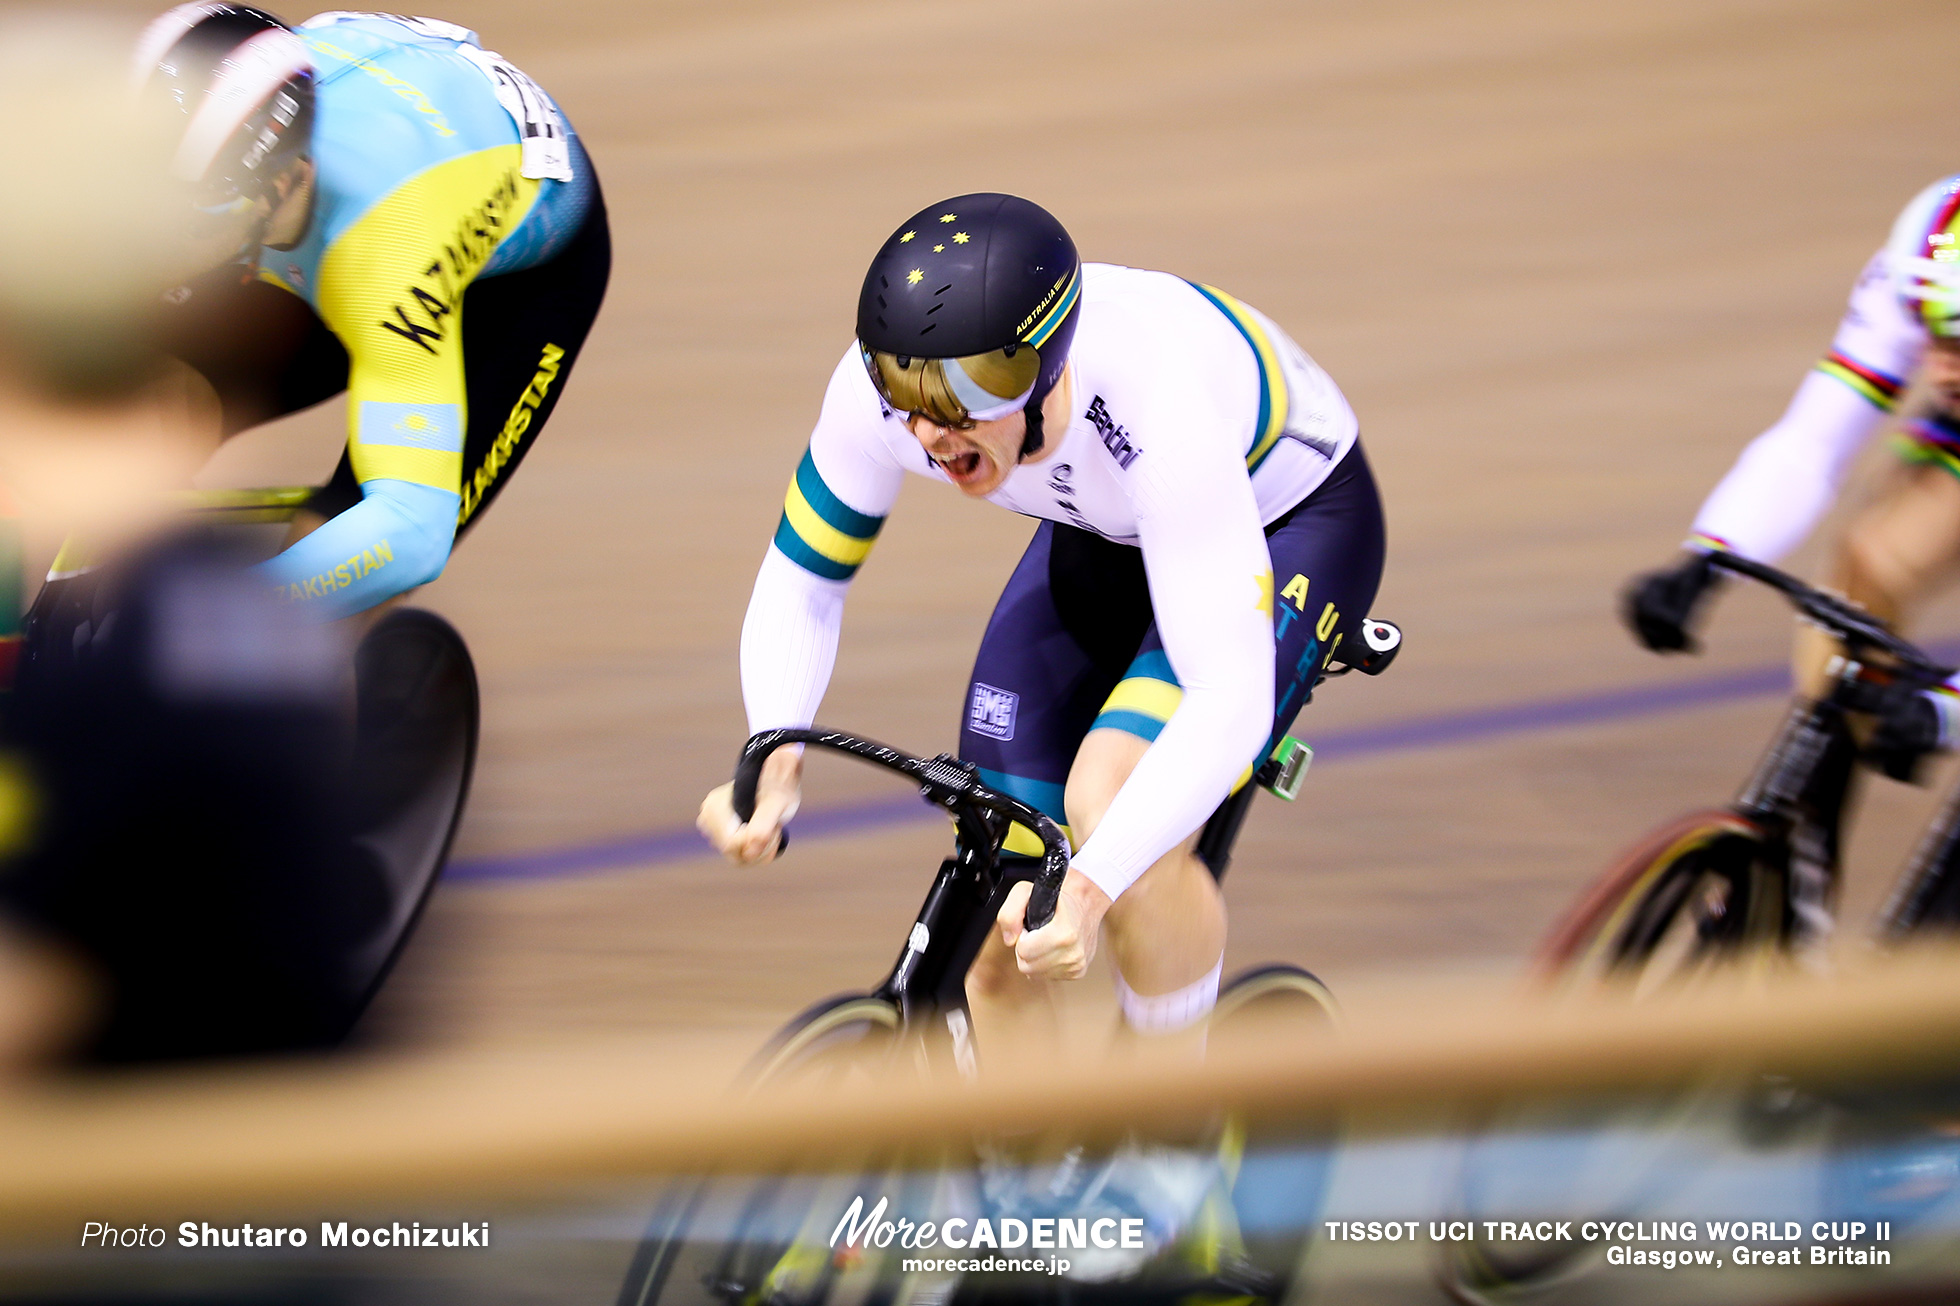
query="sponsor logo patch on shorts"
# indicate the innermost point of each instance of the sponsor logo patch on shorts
(991, 712)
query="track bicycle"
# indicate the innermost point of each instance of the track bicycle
(735, 1242)
(1763, 872)
(1750, 883)
(416, 716)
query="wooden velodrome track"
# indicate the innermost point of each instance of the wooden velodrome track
(1564, 259)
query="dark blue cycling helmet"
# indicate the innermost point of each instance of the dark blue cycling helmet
(969, 309)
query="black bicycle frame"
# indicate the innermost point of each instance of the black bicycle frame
(965, 898)
(1927, 894)
(1799, 788)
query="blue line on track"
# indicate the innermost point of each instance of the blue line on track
(1593, 708)
(665, 846)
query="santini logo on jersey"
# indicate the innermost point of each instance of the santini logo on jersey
(1114, 438)
(992, 711)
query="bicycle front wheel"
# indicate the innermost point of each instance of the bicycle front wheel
(837, 1039)
(414, 753)
(745, 1241)
(1708, 888)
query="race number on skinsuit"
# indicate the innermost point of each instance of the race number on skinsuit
(546, 151)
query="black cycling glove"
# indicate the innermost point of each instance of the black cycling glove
(1660, 605)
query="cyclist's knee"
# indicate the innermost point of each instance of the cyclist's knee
(995, 976)
(1871, 569)
(1102, 764)
(1176, 883)
(1894, 552)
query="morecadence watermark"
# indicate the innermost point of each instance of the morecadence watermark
(859, 1229)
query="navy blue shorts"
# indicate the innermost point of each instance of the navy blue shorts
(1073, 646)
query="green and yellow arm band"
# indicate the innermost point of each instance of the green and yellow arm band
(820, 532)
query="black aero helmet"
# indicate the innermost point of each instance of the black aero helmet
(242, 83)
(968, 311)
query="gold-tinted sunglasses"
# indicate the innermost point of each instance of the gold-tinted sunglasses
(959, 393)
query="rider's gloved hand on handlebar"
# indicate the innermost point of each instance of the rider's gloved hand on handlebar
(778, 793)
(1659, 606)
(1911, 723)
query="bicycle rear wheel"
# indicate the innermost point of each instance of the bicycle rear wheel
(745, 1241)
(417, 716)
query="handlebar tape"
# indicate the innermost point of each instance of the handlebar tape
(748, 773)
(1042, 902)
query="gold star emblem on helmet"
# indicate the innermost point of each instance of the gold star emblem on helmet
(960, 238)
(949, 217)
(939, 249)
(914, 277)
(906, 237)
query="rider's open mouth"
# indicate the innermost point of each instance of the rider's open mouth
(959, 466)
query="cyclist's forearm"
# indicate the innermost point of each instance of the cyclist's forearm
(1788, 477)
(789, 642)
(395, 539)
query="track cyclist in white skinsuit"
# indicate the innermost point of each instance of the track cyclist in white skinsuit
(1903, 320)
(1210, 534)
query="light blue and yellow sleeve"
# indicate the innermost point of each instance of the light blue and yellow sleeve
(391, 289)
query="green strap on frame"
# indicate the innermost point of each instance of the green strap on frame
(1280, 774)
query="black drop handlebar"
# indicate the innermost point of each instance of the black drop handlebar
(1858, 628)
(943, 780)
